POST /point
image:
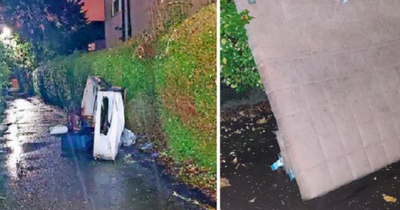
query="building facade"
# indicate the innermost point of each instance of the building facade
(127, 18)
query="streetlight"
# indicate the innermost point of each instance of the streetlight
(7, 32)
(6, 35)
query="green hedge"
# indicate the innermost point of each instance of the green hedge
(186, 87)
(176, 89)
(62, 80)
(238, 69)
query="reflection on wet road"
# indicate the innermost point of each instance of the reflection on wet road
(35, 175)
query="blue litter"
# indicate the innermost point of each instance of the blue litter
(277, 164)
(74, 142)
(252, 1)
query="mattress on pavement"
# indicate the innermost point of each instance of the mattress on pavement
(331, 71)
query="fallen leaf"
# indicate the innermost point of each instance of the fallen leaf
(223, 41)
(390, 199)
(237, 166)
(234, 161)
(252, 200)
(262, 121)
(185, 199)
(224, 182)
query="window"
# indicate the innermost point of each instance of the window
(116, 7)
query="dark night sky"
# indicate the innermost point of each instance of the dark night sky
(95, 9)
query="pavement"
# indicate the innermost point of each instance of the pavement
(37, 175)
(249, 147)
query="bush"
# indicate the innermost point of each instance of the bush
(141, 113)
(62, 81)
(238, 69)
(4, 81)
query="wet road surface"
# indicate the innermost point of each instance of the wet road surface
(249, 147)
(36, 175)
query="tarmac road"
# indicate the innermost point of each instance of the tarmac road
(35, 175)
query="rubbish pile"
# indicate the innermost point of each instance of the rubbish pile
(99, 125)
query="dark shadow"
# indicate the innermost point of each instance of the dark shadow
(31, 147)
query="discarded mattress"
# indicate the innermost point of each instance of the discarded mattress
(332, 74)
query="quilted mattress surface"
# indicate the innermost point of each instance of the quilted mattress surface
(331, 71)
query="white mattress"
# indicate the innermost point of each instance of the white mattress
(332, 73)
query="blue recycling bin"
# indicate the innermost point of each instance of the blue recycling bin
(77, 142)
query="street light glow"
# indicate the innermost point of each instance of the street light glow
(6, 33)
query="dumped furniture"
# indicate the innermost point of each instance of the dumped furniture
(103, 108)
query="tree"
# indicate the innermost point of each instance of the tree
(54, 27)
(5, 69)
(22, 53)
(17, 58)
